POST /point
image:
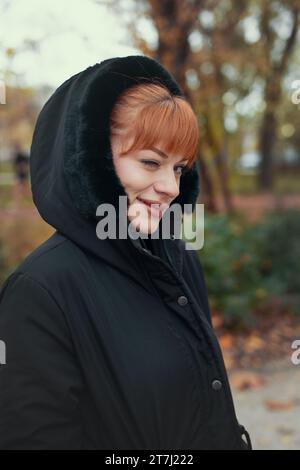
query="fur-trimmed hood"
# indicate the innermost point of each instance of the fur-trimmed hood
(71, 163)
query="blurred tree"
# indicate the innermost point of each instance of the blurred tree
(279, 25)
(195, 40)
(224, 54)
(222, 44)
(17, 118)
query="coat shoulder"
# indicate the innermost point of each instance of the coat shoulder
(56, 258)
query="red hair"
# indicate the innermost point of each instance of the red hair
(149, 114)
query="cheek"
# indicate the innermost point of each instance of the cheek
(133, 179)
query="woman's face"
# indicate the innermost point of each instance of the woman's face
(151, 180)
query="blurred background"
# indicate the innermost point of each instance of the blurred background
(238, 63)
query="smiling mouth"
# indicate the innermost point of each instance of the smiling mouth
(155, 209)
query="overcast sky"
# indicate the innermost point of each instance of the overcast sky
(74, 33)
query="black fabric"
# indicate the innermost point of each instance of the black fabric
(102, 352)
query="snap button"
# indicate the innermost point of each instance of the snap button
(216, 385)
(182, 300)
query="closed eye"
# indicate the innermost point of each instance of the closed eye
(153, 164)
(150, 162)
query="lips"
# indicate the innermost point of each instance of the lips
(156, 208)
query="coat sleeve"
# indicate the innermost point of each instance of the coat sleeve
(40, 382)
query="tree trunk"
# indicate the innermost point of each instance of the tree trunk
(267, 142)
(207, 194)
(221, 159)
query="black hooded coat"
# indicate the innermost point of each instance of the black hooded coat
(109, 343)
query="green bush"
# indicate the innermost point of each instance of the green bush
(248, 264)
(282, 251)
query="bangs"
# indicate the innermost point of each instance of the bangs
(168, 122)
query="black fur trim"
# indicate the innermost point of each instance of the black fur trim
(88, 163)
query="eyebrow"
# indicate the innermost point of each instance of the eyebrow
(162, 154)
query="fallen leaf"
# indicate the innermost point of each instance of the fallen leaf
(226, 341)
(254, 343)
(246, 380)
(274, 405)
(285, 431)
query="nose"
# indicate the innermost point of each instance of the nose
(168, 184)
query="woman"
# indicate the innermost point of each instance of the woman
(109, 341)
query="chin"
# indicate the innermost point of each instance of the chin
(146, 226)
